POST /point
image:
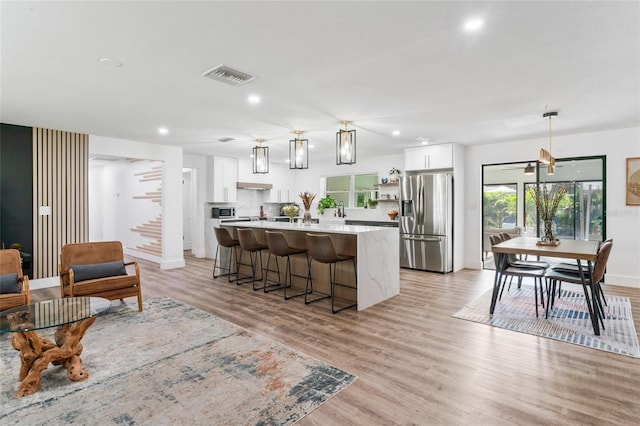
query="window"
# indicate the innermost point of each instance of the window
(500, 204)
(353, 190)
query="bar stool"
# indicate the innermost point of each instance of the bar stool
(225, 240)
(248, 243)
(320, 248)
(278, 247)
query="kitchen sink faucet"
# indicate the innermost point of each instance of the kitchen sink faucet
(341, 212)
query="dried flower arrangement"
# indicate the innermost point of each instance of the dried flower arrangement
(547, 201)
(307, 199)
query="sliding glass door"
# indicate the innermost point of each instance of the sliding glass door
(581, 214)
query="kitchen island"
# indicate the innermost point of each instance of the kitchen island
(377, 252)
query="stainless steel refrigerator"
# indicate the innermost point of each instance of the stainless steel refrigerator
(426, 222)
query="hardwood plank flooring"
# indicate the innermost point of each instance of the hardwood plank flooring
(416, 363)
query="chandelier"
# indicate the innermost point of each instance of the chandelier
(298, 152)
(346, 145)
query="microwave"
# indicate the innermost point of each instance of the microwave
(218, 212)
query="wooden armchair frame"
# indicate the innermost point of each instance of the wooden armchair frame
(110, 287)
(10, 263)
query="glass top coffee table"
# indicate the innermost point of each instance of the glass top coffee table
(72, 315)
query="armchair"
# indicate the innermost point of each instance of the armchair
(15, 286)
(98, 269)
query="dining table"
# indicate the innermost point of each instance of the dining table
(578, 250)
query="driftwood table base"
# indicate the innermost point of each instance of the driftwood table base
(37, 352)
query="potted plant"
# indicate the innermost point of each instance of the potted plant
(326, 203)
(372, 203)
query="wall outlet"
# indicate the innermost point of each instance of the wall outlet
(45, 210)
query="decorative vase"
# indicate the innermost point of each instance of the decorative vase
(307, 217)
(548, 233)
(291, 219)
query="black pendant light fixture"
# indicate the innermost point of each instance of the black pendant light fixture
(346, 145)
(260, 158)
(299, 152)
(530, 169)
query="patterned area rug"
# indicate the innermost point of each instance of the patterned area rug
(172, 364)
(568, 322)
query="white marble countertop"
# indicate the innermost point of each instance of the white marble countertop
(334, 228)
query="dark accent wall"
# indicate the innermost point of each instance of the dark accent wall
(16, 187)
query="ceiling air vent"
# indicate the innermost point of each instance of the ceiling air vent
(228, 75)
(226, 139)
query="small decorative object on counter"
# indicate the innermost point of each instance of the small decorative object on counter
(393, 214)
(291, 211)
(307, 199)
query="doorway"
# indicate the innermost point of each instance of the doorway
(508, 206)
(188, 208)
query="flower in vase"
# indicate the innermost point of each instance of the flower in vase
(291, 211)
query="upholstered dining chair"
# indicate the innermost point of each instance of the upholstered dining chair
(13, 284)
(557, 277)
(572, 268)
(504, 270)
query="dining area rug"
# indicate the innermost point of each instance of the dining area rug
(172, 364)
(568, 321)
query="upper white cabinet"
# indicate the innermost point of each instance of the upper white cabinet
(222, 177)
(429, 157)
(279, 195)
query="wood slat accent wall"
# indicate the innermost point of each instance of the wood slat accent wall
(60, 181)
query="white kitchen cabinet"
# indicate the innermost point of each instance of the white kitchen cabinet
(222, 178)
(429, 157)
(280, 195)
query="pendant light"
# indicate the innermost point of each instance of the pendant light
(298, 152)
(530, 169)
(346, 145)
(545, 156)
(260, 158)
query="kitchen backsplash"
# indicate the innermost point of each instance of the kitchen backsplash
(250, 200)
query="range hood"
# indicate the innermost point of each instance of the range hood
(254, 185)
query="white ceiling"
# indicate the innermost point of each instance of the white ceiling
(385, 66)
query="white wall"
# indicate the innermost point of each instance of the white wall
(623, 222)
(171, 183)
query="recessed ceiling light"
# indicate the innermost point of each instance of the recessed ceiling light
(425, 142)
(163, 130)
(310, 146)
(110, 62)
(254, 99)
(395, 132)
(473, 24)
(287, 160)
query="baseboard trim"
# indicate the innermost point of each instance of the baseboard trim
(622, 280)
(172, 264)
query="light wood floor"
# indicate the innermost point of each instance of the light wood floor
(418, 365)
